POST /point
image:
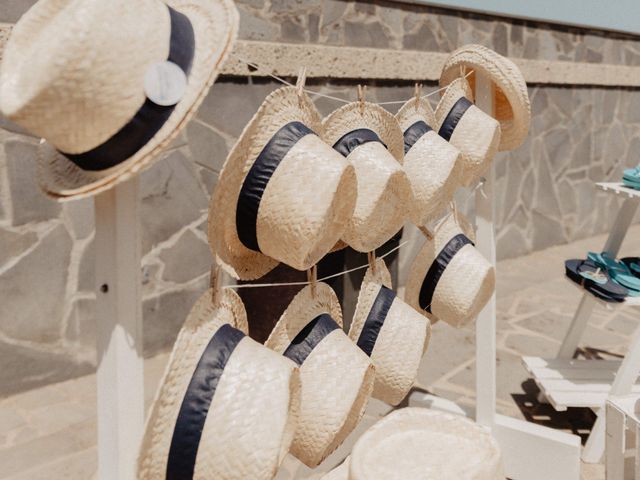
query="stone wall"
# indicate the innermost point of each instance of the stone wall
(545, 193)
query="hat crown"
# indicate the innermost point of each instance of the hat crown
(73, 70)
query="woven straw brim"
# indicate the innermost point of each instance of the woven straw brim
(466, 284)
(306, 205)
(215, 25)
(421, 443)
(511, 99)
(401, 342)
(253, 414)
(337, 377)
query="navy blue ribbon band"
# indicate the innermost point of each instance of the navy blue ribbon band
(351, 140)
(375, 319)
(309, 337)
(438, 267)
(195, 405)
(453, 117)
(150, 118)
(258, 177)
(414, 133)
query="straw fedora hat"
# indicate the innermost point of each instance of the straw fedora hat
(108, 102)
(337, 377)
(418, 443)
(371, 139)
(283, 194)
(390, 332)
(430, 162)
(449, 279)
(511, 99)
(227, 407)
(469, 129)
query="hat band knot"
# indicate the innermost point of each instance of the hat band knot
(437, 268)
(197, 400)
(453, 117)
(258, 177)
(150, 118)
(309, 337)
(375, 319)
(414, 133)
(352, 140)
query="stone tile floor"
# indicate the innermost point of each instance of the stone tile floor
(50, 432)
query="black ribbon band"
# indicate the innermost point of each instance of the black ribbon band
(151, 117)
(195, 405)
(414, 133)
(438, 267)
(309, 337)
(453, 117)
(375, 319)
(351, 140)
(258, 177)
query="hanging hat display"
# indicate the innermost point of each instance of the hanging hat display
(390, 332)
(511, 99)
(371, 139)
(469, 129)
(108, 102)
(449, 279)
(337, 377)
(430, 162)
(227, 407)
(283, 194)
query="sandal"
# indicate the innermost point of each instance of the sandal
(596, 281)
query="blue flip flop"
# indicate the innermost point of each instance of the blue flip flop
(619, 272)
(596, 281)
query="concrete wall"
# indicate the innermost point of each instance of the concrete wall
(545, 191)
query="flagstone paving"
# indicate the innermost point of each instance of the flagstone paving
(50, 432)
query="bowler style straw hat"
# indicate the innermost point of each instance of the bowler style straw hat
(511, 99)
(469, 129)
(108, 85)
(371, 139)
(449, 279)
(337, 377)
(227, 407)
(430, 162)
(391, 333)
(283, 194)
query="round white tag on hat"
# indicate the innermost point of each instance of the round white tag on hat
(165, 83)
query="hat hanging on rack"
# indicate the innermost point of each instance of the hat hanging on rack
(390, 332)
(283, 194)
(449, 279)
(109, 102)
(511, 98)
(337, 377)
(430, 162)
(469, 129)
(371, 139)
(227, 407)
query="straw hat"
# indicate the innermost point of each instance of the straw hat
(283, 194)
(511, 99)
(337, 377)
(449, 279)
(110, 100)
(417, 443)
(392, 333)
(371, 139)
(467, 128)
(227, 407)
(430, 162)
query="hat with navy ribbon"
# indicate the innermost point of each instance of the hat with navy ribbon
(337, 377)
(390, 332)
(116, 86)
(460, 122)
(449, 279)
(430, 162)
(283, 195)
(371, 139)
(227, 407)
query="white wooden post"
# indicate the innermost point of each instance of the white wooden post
(119, 331)
(614, 463)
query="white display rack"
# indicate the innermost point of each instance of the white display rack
(622, 418)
